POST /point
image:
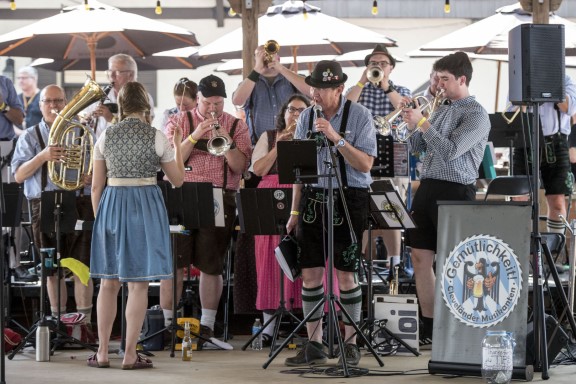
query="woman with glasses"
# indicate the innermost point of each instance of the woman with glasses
(264, 159)
(185, 99)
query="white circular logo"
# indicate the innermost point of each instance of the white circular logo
(279, 194)
(481, 281)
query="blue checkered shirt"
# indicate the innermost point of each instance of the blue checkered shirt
(359, 133)
(374, 98)
(455, 142)
(264, 104)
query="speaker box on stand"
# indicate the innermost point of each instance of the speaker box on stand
(536, 63)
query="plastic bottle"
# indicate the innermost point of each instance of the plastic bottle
(257, 342)
(186, 343)
(497, 357)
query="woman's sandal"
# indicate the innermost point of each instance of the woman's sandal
(94, 363)
(140, 363)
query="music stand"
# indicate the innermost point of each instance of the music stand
(185, 206)
(297, 161)
(509, 131)
(388, 212)
(58, 215)
(269, 211)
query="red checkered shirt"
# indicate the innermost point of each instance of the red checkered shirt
(205, 166)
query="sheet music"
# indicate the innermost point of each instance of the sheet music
(219, 207)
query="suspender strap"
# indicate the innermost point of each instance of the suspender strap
(44, 166)
(343, 134)
(225, 170)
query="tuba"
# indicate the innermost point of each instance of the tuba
(217, 145)
(76, 139)
(271, 47)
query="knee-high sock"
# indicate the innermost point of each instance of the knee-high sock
(352, 303)
(310, 298)
(556, 226)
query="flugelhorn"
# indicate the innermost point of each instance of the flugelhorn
(76, 139)
(218, 145)
(271, 47)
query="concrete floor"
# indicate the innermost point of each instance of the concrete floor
(235, 366)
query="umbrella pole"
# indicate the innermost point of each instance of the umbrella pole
(92, 48)
(497, 85)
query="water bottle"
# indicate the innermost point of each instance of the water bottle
(186, 343)
(42, 342)
(257, 342)
(497, 357)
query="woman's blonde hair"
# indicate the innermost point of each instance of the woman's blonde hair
(133, 98)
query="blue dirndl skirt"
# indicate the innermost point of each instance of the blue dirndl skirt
(131, 235)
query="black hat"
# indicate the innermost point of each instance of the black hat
(326, 74)
(380, 50)
(212, 86)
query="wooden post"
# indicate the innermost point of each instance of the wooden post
(541, 12)
(250, 10)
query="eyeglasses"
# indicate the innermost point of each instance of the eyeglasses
(23, 77)
(382, 64)
(294, 110)
(116, 73)
(53, 101)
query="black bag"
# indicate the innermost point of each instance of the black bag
(153, 322)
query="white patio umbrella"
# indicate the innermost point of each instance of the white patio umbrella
(298, 33)
(488, 39)
(99, 32)
(350, 59)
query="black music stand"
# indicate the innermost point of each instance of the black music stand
(185, 206)
(297, 162)
(293, 167)
(508, 130)
(265, 211)
(58, 215)
(13, 194)
(387, 211)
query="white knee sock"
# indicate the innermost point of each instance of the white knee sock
(269, 330)
(208, 317)
(168, 315)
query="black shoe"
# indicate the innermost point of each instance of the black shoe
(22, 274)
(266, 340)
(352, 355)
(310, 354)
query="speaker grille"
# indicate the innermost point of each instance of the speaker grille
(537, 63)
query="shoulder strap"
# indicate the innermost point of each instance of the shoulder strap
(190, 130)
(343, 124)
(45, 165)
(225, 170)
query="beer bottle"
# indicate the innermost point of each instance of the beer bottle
(187, 343)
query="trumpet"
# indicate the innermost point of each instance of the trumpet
(271, 47)
(375, 75)
(218, 145)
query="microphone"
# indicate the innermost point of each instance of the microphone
(318, 111)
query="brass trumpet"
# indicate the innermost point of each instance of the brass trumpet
(218, 145)
(271, 47)
(375, 75)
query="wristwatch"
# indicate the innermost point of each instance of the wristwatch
(391, 88)
(6, 109)
(341, 143)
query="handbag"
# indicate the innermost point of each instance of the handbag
(287, 255)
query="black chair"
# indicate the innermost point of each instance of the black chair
(509, 186)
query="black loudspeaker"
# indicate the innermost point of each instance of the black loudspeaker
(557, 339)
(536, 63)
